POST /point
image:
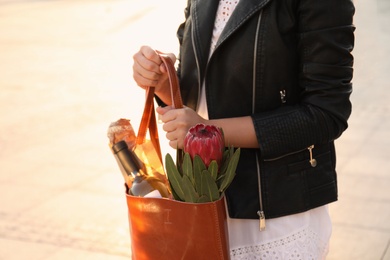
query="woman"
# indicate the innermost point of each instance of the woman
(276, 76)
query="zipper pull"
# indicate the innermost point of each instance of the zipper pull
(312, 161)
(283, 96)
(262, 220)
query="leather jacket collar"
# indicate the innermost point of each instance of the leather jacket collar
(203, 15)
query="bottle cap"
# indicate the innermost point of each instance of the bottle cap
(128, 157)
(119, 146)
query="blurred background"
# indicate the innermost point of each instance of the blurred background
(65, 75)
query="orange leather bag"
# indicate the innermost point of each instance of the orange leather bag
(162, 228)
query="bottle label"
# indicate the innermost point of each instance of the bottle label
(153, 194)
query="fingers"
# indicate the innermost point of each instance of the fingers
(162, 110)
(146, 67)
(150, 54)
(172, 118)
(144, 77)
(176, 144)
(172, 56)
(166, 118)
(176, 138)
(172, 125)
(177, 122)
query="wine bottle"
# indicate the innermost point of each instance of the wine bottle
(138, 182)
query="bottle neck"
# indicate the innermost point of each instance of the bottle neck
(138, 176)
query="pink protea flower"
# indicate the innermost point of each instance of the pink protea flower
(206, 141)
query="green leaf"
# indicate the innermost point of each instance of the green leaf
(190, 194)
(174, 194)
(209, 187)
(220, 179)
(213, 169)
(187, 167)
(198, 164)
(231, 171)
(203, 199)
(225, 161)
(198, 181)
(174, 177)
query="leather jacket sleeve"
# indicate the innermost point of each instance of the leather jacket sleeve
(325, 44)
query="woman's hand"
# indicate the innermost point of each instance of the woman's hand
(177, 122)
(150, 71)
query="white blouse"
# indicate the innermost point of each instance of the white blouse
(300, 236)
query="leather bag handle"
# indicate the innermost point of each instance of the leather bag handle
(148, 120)
(173, 81)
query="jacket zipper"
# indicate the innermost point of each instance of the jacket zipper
(260, 213)
(312, 160)
(197, 65)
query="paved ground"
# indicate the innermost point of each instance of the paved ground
(65, 74)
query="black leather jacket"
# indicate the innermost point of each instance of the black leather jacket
(287, 64)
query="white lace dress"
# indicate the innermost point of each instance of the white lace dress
(300, 236)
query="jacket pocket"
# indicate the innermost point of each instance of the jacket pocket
(320, 181)
(308, 164)
(294, 184)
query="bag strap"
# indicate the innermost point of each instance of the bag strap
(148, 120)
(173, 81)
